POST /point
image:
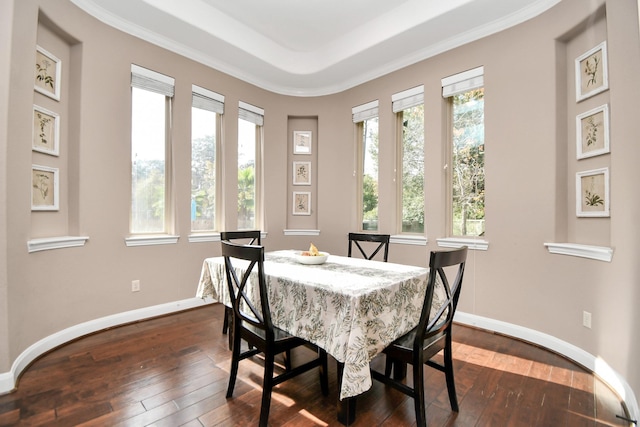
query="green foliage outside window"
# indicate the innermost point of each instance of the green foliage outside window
(468, 175)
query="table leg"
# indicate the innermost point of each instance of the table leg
(346, 407)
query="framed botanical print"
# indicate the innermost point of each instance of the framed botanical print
(592, 132)
(48, 70)
(302, 141)
(591, 72)
(46, 131)
(44, 188)
(302, 203)
(301, 173)
(592, 193)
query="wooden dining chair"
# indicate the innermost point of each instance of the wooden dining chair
(252, 323)
(369, 251)
(432, 334)
(251, 237)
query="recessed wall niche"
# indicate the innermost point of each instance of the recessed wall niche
(302, 148)
(582, 55)
(54, 132)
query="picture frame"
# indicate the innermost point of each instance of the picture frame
(302, 142)
(592, 132)
(301, 173)
(46, 131)
(592, 193)
(301, 203)
(592, 76)
(48, 72)
(45, 188)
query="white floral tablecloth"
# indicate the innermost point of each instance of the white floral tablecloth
(353, 308)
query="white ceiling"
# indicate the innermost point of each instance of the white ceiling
(311, 47)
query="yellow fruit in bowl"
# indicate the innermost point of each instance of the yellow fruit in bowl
(313, 251)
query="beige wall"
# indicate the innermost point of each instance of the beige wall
(530, 162)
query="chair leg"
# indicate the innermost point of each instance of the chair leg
(266, 389)
(448, 372)
(287, 360)
(324, 372)
(235, 361)
(418, 397)
(225, 321)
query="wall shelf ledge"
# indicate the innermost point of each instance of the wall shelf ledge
(60, 242)
(600, 253)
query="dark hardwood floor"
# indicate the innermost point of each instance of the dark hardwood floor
(173, 371)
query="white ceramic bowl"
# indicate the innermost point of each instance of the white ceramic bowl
(312, 260)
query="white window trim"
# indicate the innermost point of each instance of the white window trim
(457, 242)
(150, 240)
(206, 99)
(462, 82)
(407, 98)
(364, 112)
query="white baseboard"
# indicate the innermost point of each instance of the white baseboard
(9, 379)
(595, 364)
(589, 361)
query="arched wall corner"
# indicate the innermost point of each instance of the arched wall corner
(8, 380)
(594, 364)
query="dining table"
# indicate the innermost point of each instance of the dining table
(351, 307)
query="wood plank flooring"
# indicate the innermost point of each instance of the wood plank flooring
(173, 371)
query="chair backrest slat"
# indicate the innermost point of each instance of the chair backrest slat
(253, 236)
(432, 324)
(249, 305)
(381, 239)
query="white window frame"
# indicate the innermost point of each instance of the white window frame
(399, 102)
(255, 115)
(146, 79)
(209, 100)
(454, 85)
(360, 114)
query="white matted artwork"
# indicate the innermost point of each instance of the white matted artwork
(592, 193)
(46, 131)
(591, 72)
(44, 188)
(302, 141)
(48, 70)
(302, 203)
(592, 132)
(301, 173)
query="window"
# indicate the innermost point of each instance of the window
(206, 108)
(467, 174)
(151, 95)
(409, 108)
(250, 121)
(365, 118)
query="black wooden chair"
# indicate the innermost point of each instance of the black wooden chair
(252, 323)
(251, 237)
(358, 239)
(432, 334)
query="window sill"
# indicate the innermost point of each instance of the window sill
(48, 243)
(163, 239)
(408, 239)
(301, 232)
(204, 237)
(456, 242)
(600, 253)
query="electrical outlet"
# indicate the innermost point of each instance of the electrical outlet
(135, 286)
(586, 319)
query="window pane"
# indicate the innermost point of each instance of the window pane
(246, 174)
(413, 169)
(203, 170)
(370, 174)
(468, 163)
(148, 141)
